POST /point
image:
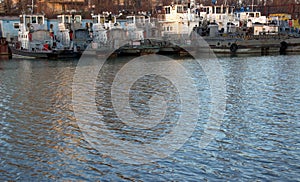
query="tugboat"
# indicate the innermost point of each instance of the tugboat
(226, 30)
(72, 34)
(35, 41)
(109, 35)
(137, 43)
(102, 24)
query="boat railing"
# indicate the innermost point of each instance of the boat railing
(256, 37)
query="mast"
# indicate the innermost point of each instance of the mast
(32, 6)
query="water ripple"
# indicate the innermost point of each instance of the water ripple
(258, 140)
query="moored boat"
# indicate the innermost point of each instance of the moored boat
(34, 40)
(225, 29)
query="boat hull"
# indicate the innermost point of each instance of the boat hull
(5, 51)
(53, 54)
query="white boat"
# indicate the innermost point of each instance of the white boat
(102, 23)
(183, 18)
(178, 19)
(222, 15)
(72, 35)
(34, 40)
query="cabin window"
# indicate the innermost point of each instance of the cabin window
(218, 9)
(77, 19)
(130, 20)
(40, 20)
(95, 20)
(167, 10)
(33, 19)
(179, 9)
(257, 15)
(185, 8)
(21, 19)
(27, 19)
(16, 26)
(67, 19)
(102, 20)
(60, 20)
(251, 14)
(224, 10)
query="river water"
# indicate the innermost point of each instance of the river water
(41, 138)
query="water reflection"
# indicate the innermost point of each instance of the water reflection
(258, 140)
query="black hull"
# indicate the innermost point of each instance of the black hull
(46, 54)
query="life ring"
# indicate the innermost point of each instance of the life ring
(45, 47)
(233, 47)
(283, 46)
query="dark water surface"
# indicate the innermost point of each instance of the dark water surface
(258, 140)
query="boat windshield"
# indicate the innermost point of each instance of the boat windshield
(77, 19)
(40, 20)
(95, 19)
